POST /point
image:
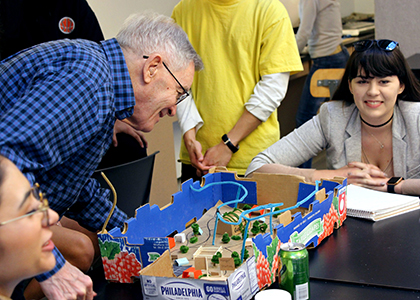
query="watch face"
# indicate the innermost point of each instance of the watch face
(394, 180)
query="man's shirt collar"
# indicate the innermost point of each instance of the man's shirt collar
(123, 90)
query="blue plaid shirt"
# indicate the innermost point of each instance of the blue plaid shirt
(58, 104)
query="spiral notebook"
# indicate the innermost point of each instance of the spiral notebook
(374, 205)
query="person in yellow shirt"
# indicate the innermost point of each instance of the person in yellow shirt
(249, 50)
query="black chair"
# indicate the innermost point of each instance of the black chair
(132, 182)
(128, 150)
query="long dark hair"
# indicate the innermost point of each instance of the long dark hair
(379, 63)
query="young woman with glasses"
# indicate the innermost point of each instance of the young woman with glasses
(370, 132)
(25, 237)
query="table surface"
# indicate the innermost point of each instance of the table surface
(319, 290)
(361, 260)
(383, 253)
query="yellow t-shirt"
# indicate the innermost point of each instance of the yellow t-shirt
(239, 41)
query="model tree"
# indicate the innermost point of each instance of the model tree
(184, 249)
(195, 228)
(215, 258)
(225, 238)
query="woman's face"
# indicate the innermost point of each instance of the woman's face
(375, 97)
(25, 244)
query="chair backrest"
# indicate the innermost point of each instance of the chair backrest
(128, 150)
(131, 181)
(324, 82)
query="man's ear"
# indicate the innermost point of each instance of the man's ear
(150, 68)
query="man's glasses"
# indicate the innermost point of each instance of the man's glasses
(185, 94)
(43, 207)
(385, 45)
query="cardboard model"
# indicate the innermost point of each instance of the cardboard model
(322, 207)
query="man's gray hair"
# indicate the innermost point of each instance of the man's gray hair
(149, 32)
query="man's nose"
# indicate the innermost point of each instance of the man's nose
(172, 111)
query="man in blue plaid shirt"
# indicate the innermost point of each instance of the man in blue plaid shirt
(59, 103)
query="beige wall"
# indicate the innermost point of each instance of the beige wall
(111, 13)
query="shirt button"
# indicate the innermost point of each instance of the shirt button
(129, 109)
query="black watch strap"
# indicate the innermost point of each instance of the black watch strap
(390, 188)
(392, 182)
(228, 143)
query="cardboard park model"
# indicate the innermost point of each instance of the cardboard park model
(252, 217)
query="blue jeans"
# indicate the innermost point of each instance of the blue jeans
(309, 105)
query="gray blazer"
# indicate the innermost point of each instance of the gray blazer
(337, 128)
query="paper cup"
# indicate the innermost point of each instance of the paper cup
(273, 294)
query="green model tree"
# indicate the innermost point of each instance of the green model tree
(263, 227)
(242, 229)
(246, 207)
(246, 254)
(195, 228)
(276, 209)
(259, 226)
(255, 228)
(193, 240)
(225, 238)
(184, 249)
(215, 258)
(237, 261)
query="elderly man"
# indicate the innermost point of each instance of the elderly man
(59, 102)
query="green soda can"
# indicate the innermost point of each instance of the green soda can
(294, 274)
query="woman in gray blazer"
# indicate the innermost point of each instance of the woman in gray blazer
(371, 132)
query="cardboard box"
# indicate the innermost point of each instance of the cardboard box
(144, 240)
(158, 283)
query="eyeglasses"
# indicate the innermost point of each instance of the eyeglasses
(43, 207)
(185, 94)
(385, 45)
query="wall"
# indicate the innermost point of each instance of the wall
(360, 6)
(399, 20)
(363, 6)
(346, 6)
(111, 14)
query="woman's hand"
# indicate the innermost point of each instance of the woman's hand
(358, 173)
(366, 175)
(372, 170)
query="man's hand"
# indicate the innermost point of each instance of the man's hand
(69, 283)
(194, 151)
(121, 126)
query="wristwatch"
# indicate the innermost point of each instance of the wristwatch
(392, 182)
(228, 143)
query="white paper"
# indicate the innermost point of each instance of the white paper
(375, 205)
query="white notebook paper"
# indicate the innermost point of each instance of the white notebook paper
(374, 205)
